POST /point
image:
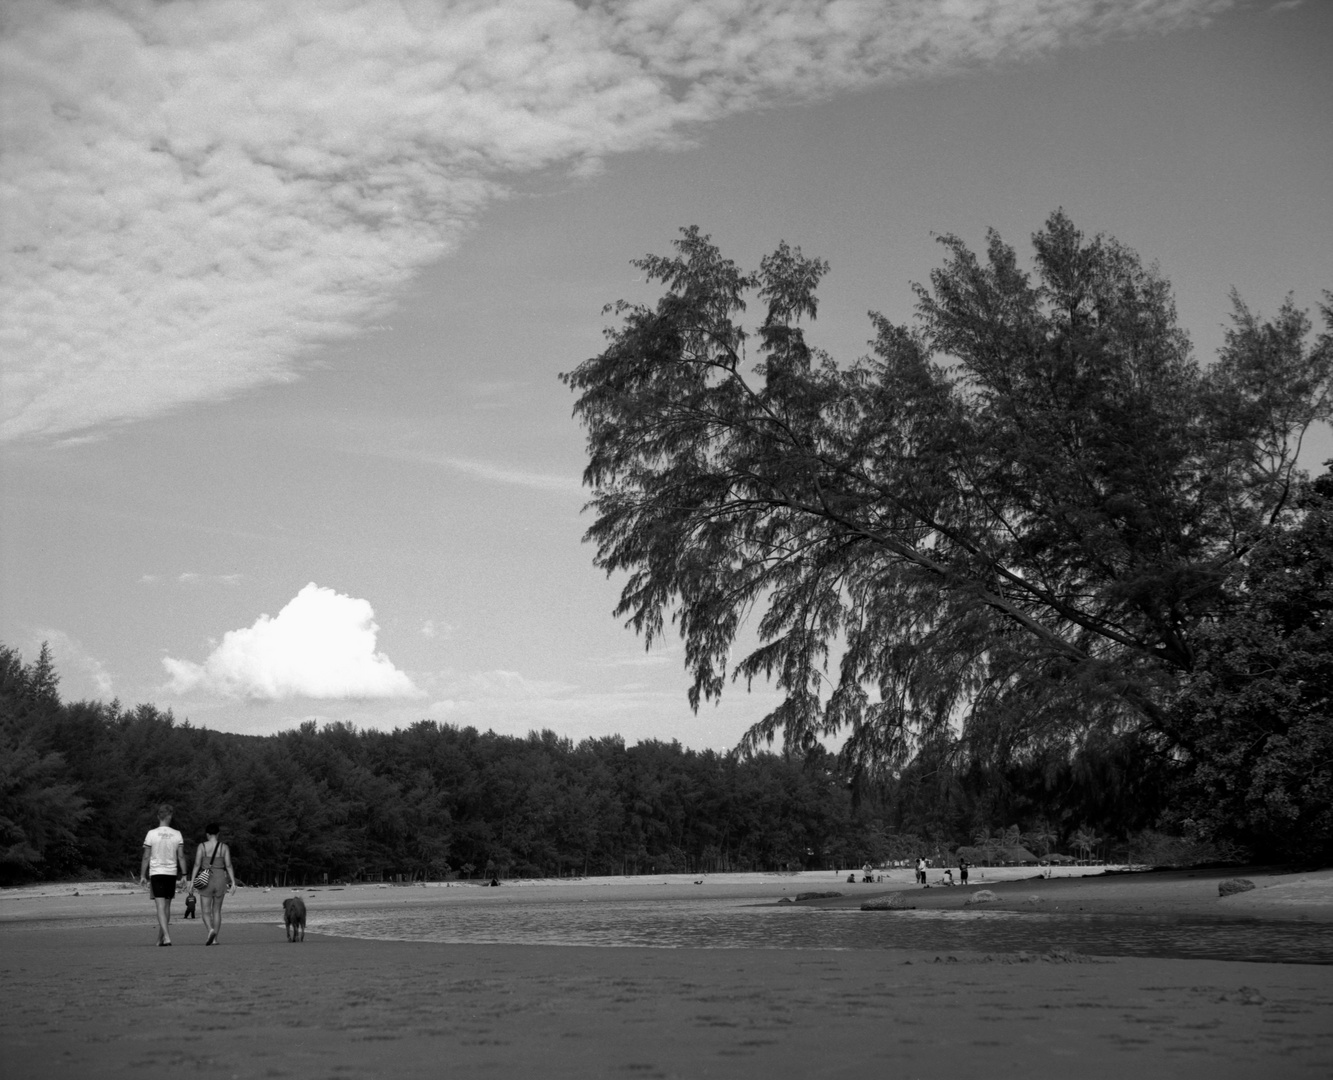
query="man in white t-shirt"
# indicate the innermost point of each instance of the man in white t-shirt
(163, 862)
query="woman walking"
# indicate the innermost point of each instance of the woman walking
(214, 855)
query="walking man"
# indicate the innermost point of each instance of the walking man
(163, 862)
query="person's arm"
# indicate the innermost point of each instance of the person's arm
(180, 860)
(231, 874)
(143, 865)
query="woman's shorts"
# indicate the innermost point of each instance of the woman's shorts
(217, 883)
(163, 886)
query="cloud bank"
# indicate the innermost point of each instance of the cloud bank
(321, 645)
(199, 194)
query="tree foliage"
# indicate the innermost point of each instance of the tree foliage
(1257, 718)
(40, 812)
(1020, 511)
(432, 800)
(79, 781)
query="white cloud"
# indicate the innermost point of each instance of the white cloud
(501, 474)
(665, 653)
(501, 688)
(199, 194)
(321, 645)
(511, 703)
(189, 577)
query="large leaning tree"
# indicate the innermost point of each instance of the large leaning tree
(1016, 514)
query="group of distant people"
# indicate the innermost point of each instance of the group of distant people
(923, 865)
(922, 868)
(163, 865)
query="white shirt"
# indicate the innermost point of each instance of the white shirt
(162, 844)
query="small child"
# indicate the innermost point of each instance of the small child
(189, 906)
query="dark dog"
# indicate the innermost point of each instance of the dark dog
(293, 917)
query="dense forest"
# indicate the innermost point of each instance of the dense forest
(79, 780)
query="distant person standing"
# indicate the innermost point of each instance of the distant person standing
(920, 871)
(163, 862)
(962, 871)
(215, 855)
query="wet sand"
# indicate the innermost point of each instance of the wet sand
(82, 1000)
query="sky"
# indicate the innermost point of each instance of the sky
(287, 287)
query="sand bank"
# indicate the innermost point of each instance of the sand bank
(113, 900)
(103, 1003)
(1304, 896)
(80, 1000)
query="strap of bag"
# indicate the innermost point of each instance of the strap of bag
(212, 858)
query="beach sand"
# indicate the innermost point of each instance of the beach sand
(81, 1000)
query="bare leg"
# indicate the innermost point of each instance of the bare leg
(213, 918)
(163, 920)
(204, 914)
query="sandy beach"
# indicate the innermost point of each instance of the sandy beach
(85, 992)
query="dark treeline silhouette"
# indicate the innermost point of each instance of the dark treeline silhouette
(432, 801)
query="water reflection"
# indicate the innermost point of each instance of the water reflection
(718, 924)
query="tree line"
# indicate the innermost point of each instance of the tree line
(79, 781)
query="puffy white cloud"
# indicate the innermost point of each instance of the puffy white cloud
(199, 193)
(321, 645)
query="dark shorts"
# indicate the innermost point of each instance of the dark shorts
(163, 885)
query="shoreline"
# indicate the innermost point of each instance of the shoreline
(1277, 896)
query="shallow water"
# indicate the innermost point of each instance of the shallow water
(723, 924)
